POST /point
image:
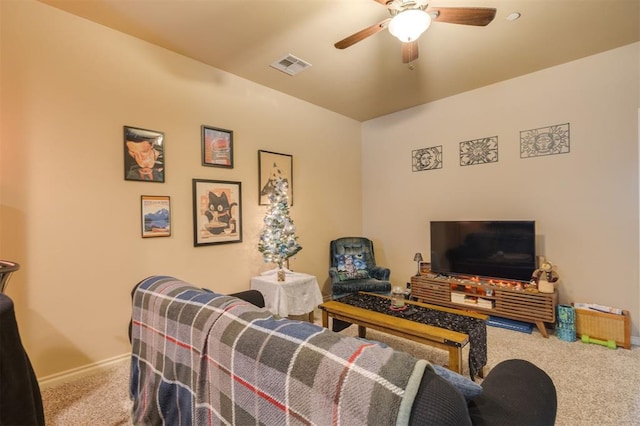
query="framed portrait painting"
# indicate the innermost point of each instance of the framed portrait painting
(271, 166)
(143, 155)
(217, 147)
(156, 216)
(217, 212)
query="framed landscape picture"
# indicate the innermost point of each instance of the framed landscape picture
(271, 166)
(143, 155)
(217, 147)
(156, 216)
(217, 212)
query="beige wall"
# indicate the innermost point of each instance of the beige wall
(70, 219)
(585, 203)
(68, 86)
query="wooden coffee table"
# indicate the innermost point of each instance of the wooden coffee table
(441, 338)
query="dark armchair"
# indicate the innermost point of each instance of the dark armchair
(353, 268)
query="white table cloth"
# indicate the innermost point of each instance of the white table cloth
(299, 294)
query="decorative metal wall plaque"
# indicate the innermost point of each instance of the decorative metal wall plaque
(550, 140)
(479, 151)
(426, 158)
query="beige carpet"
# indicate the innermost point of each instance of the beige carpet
(596, 385)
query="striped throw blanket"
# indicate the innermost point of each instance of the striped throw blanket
(201, 358)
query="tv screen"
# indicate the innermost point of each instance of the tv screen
(492, 249)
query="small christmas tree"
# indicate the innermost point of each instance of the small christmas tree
(278, 240)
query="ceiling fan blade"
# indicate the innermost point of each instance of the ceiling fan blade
(383, 2)
(479, 16)
(409, 51)
(361, 35)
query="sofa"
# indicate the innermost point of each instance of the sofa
(199, 357)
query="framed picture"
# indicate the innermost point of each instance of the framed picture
(271, 166)
(156, 216)
(425, 268)
(217, 147)
(217, 212)
(143, 155)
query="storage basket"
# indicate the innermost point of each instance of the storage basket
(604, 326)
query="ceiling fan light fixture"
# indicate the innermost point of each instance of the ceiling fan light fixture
(408, 25)
(513, 16)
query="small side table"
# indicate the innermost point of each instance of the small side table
(299, 294)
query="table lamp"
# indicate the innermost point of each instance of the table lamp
(418, 258)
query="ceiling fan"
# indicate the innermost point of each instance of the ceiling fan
(410, 18)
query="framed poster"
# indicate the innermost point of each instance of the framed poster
(271, 166)
(217, 147)
(425, 268)
(217, 212)
(143, 155)
(156, 216)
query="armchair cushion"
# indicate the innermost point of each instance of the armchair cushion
(351, 267)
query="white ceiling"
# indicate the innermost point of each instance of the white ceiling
(368, 79)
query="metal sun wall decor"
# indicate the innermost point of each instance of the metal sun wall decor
(549, 140)
(479, 151)
(426, 158)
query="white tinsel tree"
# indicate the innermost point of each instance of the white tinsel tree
(278, 240)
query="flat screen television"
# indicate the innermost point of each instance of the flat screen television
(490, 249)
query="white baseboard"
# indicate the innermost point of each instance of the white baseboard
(79, 372)
(87, 370)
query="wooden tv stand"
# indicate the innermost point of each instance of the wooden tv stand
(487, 298)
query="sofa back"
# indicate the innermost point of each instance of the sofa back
(200, 357)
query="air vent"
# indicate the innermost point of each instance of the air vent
(290, 65)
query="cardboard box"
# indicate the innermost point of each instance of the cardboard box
(604, 326)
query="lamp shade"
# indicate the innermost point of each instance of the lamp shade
(417, 257)
(407, 25)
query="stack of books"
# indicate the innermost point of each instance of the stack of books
(458, 297)
(468, 299)
(464, 298)
(599, 308)
(485, 303)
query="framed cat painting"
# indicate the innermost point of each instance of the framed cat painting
(217, 212)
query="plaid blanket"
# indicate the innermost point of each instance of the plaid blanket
(200, 358)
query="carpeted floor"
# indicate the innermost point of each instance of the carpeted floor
(595, 385)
